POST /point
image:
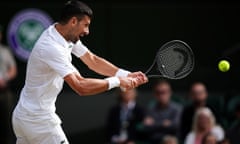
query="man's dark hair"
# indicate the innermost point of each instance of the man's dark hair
(74, 8)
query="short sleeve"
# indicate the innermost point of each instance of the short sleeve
(79, 49)
(58, 61)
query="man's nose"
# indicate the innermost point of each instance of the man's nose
(86, 31)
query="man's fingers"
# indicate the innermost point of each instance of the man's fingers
(140, 75)
(144, 77)
(142, 80)
(137, 81)
(133, 82)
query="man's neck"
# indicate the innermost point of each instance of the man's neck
(62, 30)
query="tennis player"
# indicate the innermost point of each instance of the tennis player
(49, 65)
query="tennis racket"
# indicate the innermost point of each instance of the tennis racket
(174, 60)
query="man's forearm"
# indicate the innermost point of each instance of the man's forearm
(86, 86)
(90, 86)
(102, 66)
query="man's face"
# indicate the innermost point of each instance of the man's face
(198, 93)
(162, 92)
(79, 28)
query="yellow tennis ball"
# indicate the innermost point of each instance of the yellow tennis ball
(223, 65)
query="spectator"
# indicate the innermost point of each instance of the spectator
(124, 118)
(169, 140)
(209, 139)
(233, 133)
(204, 123)
(7, 73)
(198, 95)
(163, 117)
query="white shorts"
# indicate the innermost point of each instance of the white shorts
(44, 132)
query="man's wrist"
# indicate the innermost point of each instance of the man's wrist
(113, 82)
(122, 73)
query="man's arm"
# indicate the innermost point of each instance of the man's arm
(90, 86)
(98, 64)
(106, 68)
(101, 65)
(85, 86)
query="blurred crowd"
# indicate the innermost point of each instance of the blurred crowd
(170, 121)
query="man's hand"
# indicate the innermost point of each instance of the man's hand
(143, 78)
(127, 83)
(131, 82)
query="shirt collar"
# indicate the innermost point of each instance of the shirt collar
(59, 38)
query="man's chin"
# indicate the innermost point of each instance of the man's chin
(75, 40)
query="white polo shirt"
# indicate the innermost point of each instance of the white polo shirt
(48, 64)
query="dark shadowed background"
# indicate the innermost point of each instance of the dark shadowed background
(128, 33)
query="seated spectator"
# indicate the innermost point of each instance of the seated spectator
(123, 119)
(198, 95)
(169, 140)
(209, 139)
(204, 123)
(233, 133)
(164, 116)
(8, 72)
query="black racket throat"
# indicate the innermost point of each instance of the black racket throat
(153, 71)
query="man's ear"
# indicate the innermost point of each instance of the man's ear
(73, 21)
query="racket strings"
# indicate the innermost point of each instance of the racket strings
(175, 60)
